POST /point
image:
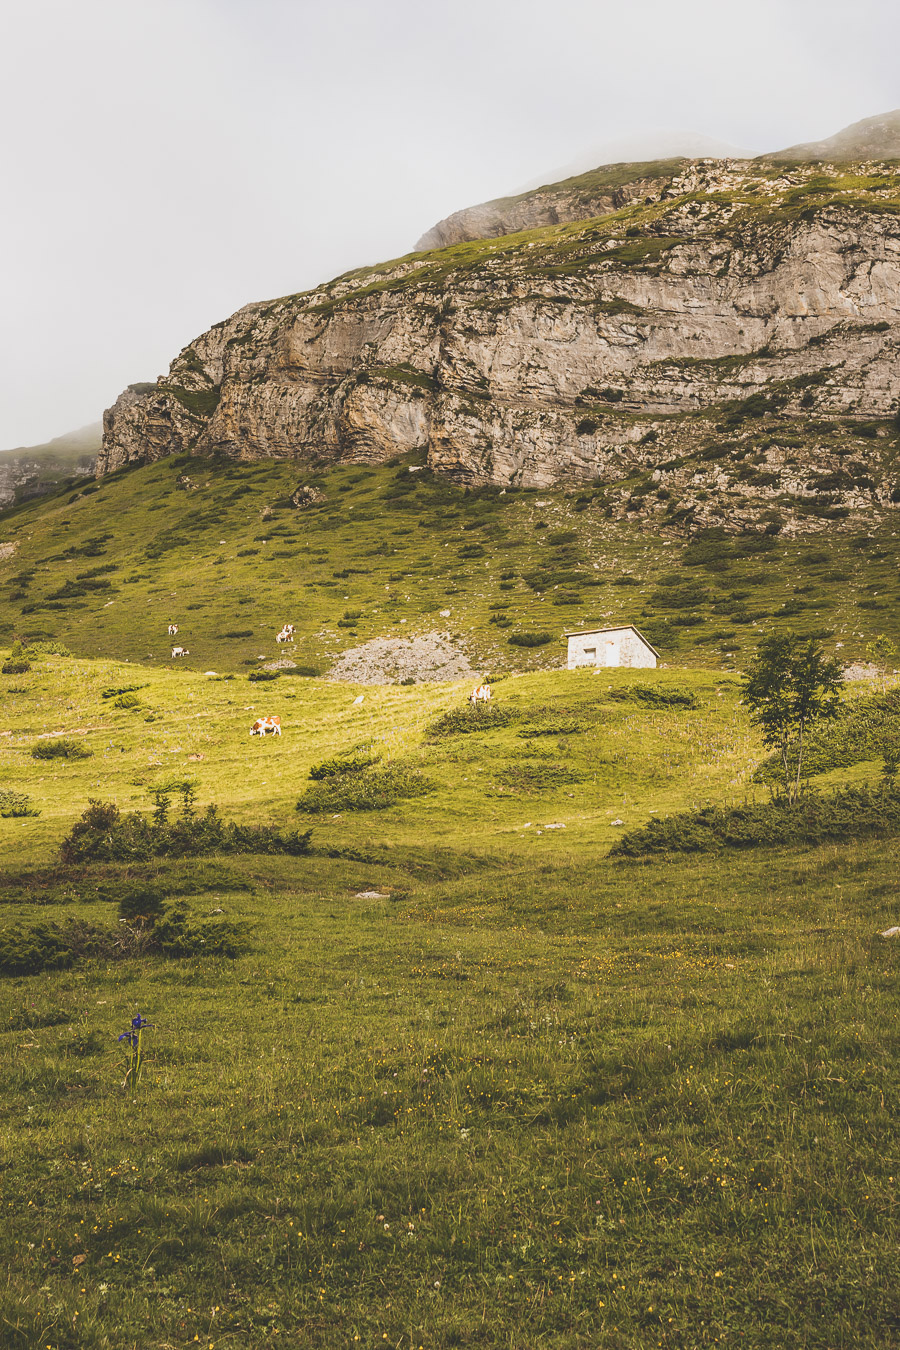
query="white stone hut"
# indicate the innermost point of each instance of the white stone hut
(611, 647)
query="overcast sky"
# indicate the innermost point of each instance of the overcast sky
(165, 162)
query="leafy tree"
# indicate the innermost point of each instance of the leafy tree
(790, 685)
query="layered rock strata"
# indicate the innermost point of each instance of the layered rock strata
(579, 354)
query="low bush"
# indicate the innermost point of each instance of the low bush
(532, 777)
(63, 748)
(256, 675)
(477, 717)
(853, 812)
(28, 949)
(19, 667)
(559, 537)
(373, 789)
(655, 696)
(121, 689)
(128, 700)
(309, 672)
(239, 633)
(352, 761)
(14, 804)
(530, 639)
(103, 834)
(41, 647)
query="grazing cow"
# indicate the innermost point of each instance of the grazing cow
(263, 725)
(480, 694)
(179, 651)
(286, 634)
(173, 630)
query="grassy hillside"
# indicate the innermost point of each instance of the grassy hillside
(218, 548)
(471, 1083)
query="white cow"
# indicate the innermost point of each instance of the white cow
(263, 725)
(480, 694)
(286, 634)
(173, 629)
(179, 651)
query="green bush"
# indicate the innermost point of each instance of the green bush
(121, 689)
(126, 701)
(256, 675)
(532, 777)
(352, 761)
(63, 748)
(26, 949)
(15, 667)
(559, 537)
(45, 648)
(373, 789)
(469, 717)
(103, 834)
(529, 639)
(853, 812)
(14, 804)
(655, 696)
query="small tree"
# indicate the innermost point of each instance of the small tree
(790, 685)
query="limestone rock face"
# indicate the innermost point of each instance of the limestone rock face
(585, 354)
(591, 194)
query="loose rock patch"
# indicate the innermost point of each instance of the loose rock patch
(428, 656)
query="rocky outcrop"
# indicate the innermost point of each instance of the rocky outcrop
(597, 193)
(740, 305)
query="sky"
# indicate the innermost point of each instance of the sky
(163, 163)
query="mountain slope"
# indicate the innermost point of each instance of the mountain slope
(748, 316)
(33, 470)
(873, 138)
(391, 551)
(596, 192)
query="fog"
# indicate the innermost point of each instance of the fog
(165, 163)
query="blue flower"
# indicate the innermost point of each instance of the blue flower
(138, 1022)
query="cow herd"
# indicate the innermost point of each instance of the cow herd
(264, 725)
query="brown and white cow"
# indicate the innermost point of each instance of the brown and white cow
(179, 651)
(286, 634)
(480, 694)
(173, 630)
(263, 725)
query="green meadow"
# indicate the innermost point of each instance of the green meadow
(469, 1081)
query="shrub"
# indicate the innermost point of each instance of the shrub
(480, 717)
(239, 633)
(562, 537)
(852, 812)
(655, 696)
(352, 761)
(121, 689)
(531, 777)
(373, 789)
(529, 639)
(256, 675)
(63, 748)
(103, 834)
(309, 672)
(16, 667)
(15, 804)
(26, 949)
(128, 700)
(45, 648)
(586, 426)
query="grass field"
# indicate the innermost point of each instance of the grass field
(521, 1096)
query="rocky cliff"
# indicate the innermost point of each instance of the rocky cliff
(722, 351)
(597, 193)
